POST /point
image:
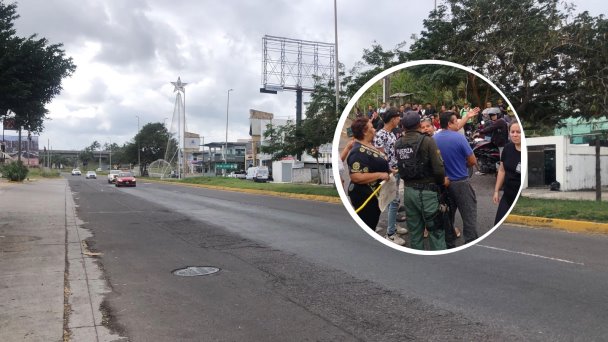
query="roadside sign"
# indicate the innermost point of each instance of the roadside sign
(226, 166)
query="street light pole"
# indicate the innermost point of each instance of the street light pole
(138, 148)
(110, 154)
(226, 143)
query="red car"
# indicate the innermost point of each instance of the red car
(125, 178)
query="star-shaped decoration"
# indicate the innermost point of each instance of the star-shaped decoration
(179, 85)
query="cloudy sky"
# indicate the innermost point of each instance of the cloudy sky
(128, 52)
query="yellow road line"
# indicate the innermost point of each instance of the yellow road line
(567, 225)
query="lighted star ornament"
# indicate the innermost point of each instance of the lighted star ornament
(179, 85)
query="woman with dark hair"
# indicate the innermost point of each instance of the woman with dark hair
(368, 167)
(509, 173)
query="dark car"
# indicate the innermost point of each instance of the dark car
(125, 179)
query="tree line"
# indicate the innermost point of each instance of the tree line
(151, 143)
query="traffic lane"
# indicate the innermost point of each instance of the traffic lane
(577, 248)
(142, 243)
(541, 288)
(479, 281)
(262, 293)
(102, 188)
(239, 202)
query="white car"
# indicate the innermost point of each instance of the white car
(112, 175)
(90, 174)
(76, 172)
(238, 174)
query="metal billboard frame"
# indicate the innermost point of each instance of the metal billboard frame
(295, 64)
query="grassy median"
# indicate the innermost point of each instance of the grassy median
(562, 209)
(307, 189)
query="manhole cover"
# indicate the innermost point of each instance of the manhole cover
(195, 271)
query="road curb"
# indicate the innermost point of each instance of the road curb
(318, 198)
(567, 225)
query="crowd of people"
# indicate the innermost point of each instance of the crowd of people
(427, 151)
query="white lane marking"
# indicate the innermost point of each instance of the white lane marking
(532, 255)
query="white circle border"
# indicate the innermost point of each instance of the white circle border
(336, 155)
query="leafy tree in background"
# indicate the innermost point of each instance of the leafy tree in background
(154, 140)
(275, 140)
(321, 120)
(374, 61)
(31, 70)
(545, 60)
(88, 153)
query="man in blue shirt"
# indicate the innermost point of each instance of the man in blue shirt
(457, 156)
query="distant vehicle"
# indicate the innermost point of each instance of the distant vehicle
(238, 174)
(76, 172)
(112, 175)
(257, 173)
(125, 179)
(98, 169)
(91, 174)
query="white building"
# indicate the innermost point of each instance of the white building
(288, 170)
(554, 158)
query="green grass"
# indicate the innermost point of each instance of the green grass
(35, 173)
(562, 209)
(308, 189)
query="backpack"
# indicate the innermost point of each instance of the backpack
(410, 165)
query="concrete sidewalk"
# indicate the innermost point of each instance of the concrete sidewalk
(50, 289)
(588, 195)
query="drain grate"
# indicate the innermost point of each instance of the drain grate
(195, 271)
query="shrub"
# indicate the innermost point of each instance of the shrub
(15, 171)
(50, 173)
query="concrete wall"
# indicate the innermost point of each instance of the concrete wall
(580, 167)
(574, 164)
(302, 175)
(277, 170)
(327, 176)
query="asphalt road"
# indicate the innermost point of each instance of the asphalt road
(303, 270)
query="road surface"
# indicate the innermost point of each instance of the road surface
(303, 270)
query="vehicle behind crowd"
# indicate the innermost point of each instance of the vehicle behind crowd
(487, 154)
(257, 173)
(238, 174)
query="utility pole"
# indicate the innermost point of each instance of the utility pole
(336, 52)
(226, 142)
(138, 147)
(110, 154)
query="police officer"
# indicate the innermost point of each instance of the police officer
(421, 169)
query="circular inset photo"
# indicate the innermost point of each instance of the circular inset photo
(428, 157)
